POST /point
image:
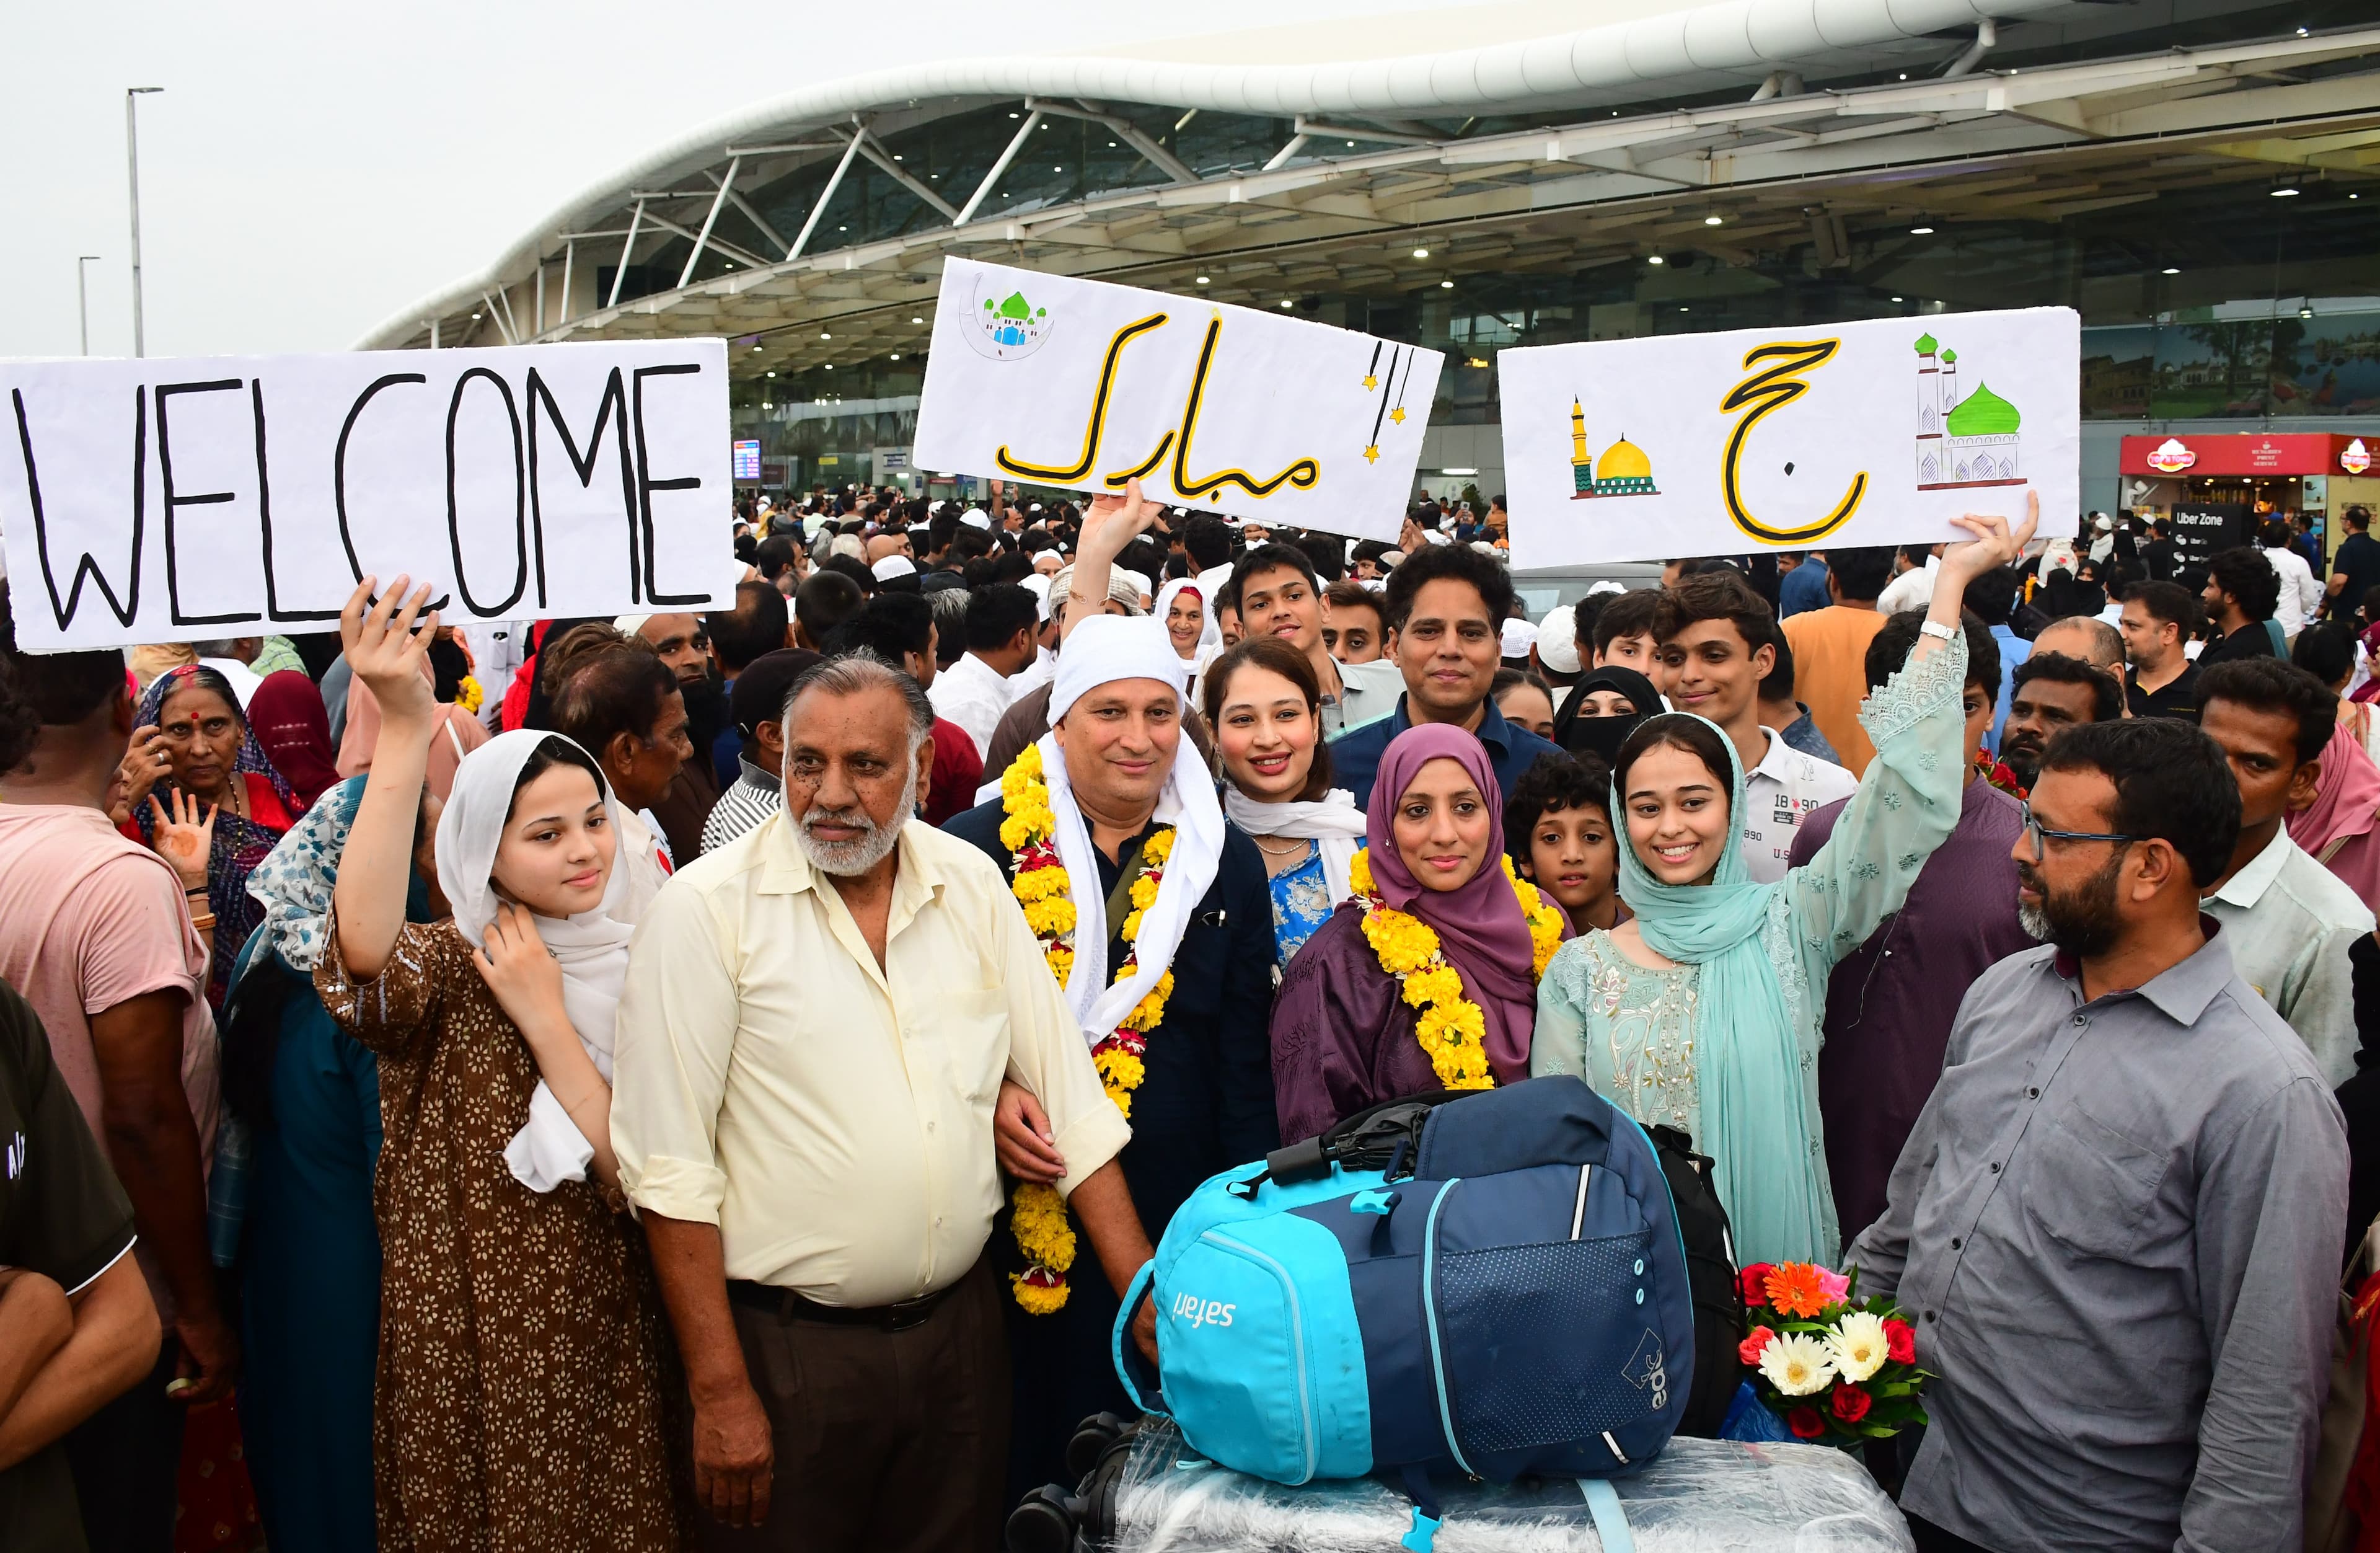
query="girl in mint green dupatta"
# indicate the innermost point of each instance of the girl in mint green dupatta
(1705, 1013)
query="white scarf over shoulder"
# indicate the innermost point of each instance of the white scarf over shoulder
(592, 946)
(1101, 651)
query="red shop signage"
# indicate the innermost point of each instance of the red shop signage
(2193, 454)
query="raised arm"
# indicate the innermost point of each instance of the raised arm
(1108, 525)
(385, 652)
(1908, 800)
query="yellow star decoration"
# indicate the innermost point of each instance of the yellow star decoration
(1370, 382)
(1449, 1026)
(1398, 415)
(1372, 454)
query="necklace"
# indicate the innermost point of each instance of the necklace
(1039, 1217)
(1449, 1026)
(1293, 850)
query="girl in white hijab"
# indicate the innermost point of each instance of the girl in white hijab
(521, 1328)
(1190, 625)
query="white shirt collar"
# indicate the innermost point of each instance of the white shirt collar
(2247, 886)
(1773, 760)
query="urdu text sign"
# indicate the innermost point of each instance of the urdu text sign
(1084, 386)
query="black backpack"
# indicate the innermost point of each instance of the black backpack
(1388, 1137)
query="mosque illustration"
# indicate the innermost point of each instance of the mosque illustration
(1623, 471)
(1970, 441)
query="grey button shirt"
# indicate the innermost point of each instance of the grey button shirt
(2116, 1227)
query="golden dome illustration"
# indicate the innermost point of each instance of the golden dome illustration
(1623, 460)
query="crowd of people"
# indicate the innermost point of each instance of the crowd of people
(653, 1082)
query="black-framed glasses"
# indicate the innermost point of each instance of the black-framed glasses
(2035, 832)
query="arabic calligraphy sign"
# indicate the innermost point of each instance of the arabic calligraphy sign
(1086, 385)
(1873, 433)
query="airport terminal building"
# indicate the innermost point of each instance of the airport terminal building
(2200, 180)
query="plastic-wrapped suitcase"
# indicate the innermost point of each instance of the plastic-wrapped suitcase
(1145, 1492)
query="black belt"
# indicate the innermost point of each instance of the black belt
(787, 1305)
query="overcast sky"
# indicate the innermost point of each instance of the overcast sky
(312, 169)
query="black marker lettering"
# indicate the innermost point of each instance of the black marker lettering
(613, 406)
(85, 566)
(339, 462)
(647, 486)
(264, 521)
(520, 499)
(165, 391)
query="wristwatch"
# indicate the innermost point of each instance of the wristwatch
(1933, 628)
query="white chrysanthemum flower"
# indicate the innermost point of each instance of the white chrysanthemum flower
(1797, 1364)
(1857, 1346)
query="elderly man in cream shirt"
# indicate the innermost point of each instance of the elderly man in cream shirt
(815, 1026)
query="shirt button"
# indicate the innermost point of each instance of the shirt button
(2033, 1092)
(929, 1127)
(2080, 1021)
(1929, 1315)
(1954, 1242)
(1995, 1169)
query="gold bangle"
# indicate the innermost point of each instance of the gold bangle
(203, 923)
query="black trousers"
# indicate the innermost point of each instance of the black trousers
(1931, 1538)
(894, 1442)
(126, 1460)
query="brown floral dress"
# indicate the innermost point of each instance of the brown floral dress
(525, 1388)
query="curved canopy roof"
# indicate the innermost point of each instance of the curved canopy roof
(1177, 165)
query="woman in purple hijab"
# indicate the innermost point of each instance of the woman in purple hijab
(1342, 1036)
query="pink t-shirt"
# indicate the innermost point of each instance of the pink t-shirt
(89, 919)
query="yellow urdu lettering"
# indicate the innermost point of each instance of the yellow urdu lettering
(1769, 389)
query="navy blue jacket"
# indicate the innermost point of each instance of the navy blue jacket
(1356, 755)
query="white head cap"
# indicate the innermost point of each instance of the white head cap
(893, 566)
(1558, 638)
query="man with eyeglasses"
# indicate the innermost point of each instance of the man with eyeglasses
(2115, 1226)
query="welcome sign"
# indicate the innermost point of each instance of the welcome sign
(1086, 385)
(1872, 433)
(164, 500)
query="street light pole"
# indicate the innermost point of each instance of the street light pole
(132, 162)
(82, 296)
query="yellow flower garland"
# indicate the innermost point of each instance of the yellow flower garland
(1038, 1216)
(1450, 1027)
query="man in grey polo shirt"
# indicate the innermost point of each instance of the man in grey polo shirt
(2117, 1223)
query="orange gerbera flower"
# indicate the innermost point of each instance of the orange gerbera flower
(1795, 1289)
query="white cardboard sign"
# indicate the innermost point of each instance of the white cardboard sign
(178, 500)
(1872, 433)
(1082, 385)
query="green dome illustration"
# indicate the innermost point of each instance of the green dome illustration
(1950, 358)
(1982, 413)
(1015, 307)
(1926, 344)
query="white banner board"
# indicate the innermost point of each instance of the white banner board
(1083, 386)
(181, 500)
(1872, 433)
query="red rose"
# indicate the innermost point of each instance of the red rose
(1806, 1423)
(1756, 1283)
(1850, 1403)
(1751, 1348)
(1900, 1341)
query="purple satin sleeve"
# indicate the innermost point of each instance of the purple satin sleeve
(1340, 1039)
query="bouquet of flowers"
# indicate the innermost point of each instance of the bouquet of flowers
(1838, 1369)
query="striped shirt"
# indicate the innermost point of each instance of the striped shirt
(753, 796)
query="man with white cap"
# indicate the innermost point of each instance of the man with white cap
(1554, 652)
(1129, 801)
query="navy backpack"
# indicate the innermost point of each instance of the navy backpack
(1509, 1298)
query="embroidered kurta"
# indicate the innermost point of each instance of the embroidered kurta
(526, 1391)
(1623, 1027)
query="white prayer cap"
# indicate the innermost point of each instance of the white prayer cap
(1519, 636)
(1047, 561)
(1107, 648)
(629, 624)
(1606, 586)
(893, 566)
(1123, 586)
(1558, 638)
(975, 518)
(1037, 584)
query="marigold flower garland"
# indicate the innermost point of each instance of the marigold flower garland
(1449, 1026)
(1038, 1215)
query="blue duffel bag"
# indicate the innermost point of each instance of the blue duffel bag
(1510, 1298)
